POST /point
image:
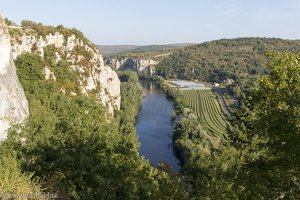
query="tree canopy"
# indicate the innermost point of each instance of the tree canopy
(223, 59)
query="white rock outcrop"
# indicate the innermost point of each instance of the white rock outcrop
(48, 74)
(110, 83)
(93, 76)
(138, 65)
(13, 103)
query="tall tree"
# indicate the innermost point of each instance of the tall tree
(268, 131)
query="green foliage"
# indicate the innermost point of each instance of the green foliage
(261, 159)
(266, 129)
(30, 68)
(131, 96)
(78, 50)
(277, 121)
(49, 54)
(12, 179)
(69, 143)
(171, 92)
(142, 52)
(215, 177)
(219, 60)
(43, 30)
(9, 22)
(128, 76)
(189, 137)
(207, 110)
(279, 101)
(78, 156)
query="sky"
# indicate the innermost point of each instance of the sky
(143, 22)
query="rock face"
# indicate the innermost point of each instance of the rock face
(94, 77)
(138, 65)
(13, 103)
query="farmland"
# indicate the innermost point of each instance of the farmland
(207, 109)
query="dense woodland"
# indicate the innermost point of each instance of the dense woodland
(69, 146)
(141, 52)
(260, 159)
(154, 55)
(223, 59)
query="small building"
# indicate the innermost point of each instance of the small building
(216, 84)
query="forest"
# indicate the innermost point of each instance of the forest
(260, 157)
(219, 60)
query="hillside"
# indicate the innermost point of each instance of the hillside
(142, 59)
(112, 49)
(78, 140)
(68, 59)
(108, 50)
(148, 48)
(223, 59)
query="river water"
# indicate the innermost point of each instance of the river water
(154, 127)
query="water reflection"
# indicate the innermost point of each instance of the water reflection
(154, 126)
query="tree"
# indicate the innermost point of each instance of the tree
(261, 158)
(267, 132)
(278, 121)
(12, 180)
(131, 95)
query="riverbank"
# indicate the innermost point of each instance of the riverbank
(154, 126)
(190, 130)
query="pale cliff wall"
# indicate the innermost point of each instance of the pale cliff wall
(138, 65)
(13, 103)
(94, 75)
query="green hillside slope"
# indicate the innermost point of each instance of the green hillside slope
(222, 59)
(108, 50)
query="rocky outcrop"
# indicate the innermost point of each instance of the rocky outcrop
(95, 78)
(110, 91)
(138, 65)
(13, 103)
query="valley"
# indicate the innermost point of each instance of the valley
(215, 120)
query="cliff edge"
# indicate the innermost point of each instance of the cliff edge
(13, 103)
(60, 44)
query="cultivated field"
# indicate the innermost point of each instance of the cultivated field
(207, 109)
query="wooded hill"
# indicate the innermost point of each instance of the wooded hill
(112, 50)
(219, 60)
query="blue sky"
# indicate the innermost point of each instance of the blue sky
(162, 21)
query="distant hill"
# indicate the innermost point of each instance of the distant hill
(160, 47)
(113, 49)
(108, 50)
(219, 60)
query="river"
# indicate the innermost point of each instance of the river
(154, 127)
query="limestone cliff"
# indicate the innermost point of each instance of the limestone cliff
(69, 44)
(138, 65)
(13, 103)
